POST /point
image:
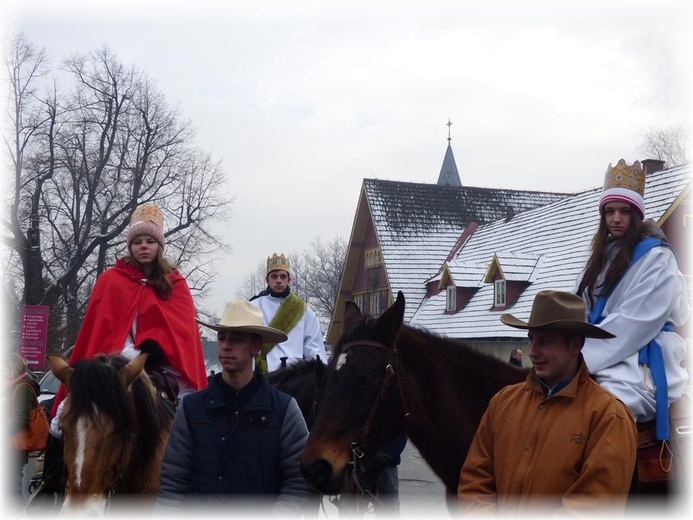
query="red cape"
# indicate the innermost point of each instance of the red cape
(118, 295)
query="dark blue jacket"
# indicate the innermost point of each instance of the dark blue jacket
(257, 454)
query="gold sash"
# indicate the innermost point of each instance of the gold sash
(289, 314)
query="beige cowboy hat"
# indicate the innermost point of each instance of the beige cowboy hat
(560, 312)
(241, 316)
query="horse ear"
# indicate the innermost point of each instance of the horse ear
(390, 322)
(61, 369)
(133, 369)
(351, 314)
(319, 371)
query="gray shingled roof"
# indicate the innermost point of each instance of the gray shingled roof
(559, 234)
(418, 225)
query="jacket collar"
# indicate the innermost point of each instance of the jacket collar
(259, 401)
(570, 390)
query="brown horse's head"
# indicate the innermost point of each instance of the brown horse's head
(114, 430)
(360, 401)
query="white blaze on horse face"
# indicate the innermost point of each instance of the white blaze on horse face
(81, 432)
(341, 361)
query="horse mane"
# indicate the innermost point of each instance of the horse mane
(292, 371)
(96, 385)
(480, 374)
(443, 352)
(460, 350)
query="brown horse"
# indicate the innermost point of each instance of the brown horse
(300, 380)
(385, 378)
(115, 430)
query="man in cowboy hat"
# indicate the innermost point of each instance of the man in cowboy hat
(239, 438)
(557, 443)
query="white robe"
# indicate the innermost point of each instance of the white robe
(305, 339)
(651, 293)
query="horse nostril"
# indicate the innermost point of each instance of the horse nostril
(318, 472)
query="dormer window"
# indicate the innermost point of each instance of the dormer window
(451, 298)
(511, 273)
(499, 293)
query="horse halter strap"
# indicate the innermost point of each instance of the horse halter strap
(384, 386)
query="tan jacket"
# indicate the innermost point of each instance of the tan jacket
(574, 452)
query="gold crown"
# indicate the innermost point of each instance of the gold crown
(276, 262)
(624, 176)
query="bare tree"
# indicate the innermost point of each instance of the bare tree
(253, 283)
(666, 144)
(98, 151)
(25, 65)
(322, 272)
(298, 275)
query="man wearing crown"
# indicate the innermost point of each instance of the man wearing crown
(283, 310)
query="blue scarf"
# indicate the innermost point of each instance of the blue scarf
(649, 355)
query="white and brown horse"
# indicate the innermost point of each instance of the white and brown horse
(115, 430)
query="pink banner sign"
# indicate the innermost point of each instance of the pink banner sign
(33, 334)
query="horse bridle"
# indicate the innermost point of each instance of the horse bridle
(390, 372)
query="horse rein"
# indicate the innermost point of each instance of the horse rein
(390, 373)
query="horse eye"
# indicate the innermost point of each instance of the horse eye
(368, 383)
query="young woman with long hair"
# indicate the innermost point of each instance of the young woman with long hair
(633, 288)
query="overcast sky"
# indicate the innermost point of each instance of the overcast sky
(302, 100)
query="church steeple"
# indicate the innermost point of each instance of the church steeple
(448, 172)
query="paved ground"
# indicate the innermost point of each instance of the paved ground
(421, 493)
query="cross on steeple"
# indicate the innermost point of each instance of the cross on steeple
(449, 124)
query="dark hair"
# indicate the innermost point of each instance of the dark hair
(621, 261)
(569, 337)
(161, 268)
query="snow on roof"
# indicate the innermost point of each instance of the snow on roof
(514, 266)
(418, 225)
(468, 275)
(559, 234)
